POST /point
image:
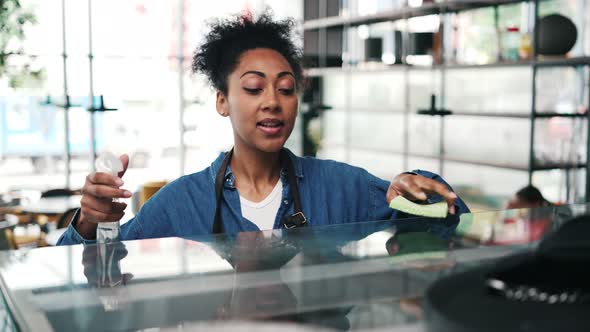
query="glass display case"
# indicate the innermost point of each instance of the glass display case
(355, 276)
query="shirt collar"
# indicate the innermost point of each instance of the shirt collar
(297, 165)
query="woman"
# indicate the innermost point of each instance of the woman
(526, 198)
(256, 70)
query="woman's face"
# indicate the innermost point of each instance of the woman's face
(261, 100)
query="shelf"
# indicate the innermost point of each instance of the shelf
(563, 62)
(545, 167)
(520, 115)
(532, 114)
(560, 115)
(417, 155)
(387, 110)
(552, 166)
(473, 162)
(401, 13)
(365, 148)
(495, 115)
(319, 71)
(524, 168)
(512, 115)
(542, 63)
(502, 64)
(314, 72)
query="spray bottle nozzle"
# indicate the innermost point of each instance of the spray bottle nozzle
(107, 162)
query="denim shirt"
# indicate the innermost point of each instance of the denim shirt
(331, 193)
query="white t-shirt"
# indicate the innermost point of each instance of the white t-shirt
(263, 213)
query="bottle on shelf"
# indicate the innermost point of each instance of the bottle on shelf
(525, 49)
(511, 44)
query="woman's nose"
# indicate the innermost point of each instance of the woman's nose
(270, 101)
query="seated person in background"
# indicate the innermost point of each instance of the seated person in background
(527, 197)
(256, 70)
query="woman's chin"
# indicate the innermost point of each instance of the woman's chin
(271, 147)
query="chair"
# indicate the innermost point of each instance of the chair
(7, 239)
(54, 193)
(23, 241)
(149, 189)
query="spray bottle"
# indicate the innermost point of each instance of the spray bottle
(109, 278)
(108, 232)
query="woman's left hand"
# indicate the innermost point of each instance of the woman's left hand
(416, 187)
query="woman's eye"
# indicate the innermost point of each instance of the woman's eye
(287, 91)
(252, 91)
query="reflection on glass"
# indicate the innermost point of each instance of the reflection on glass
(518, 226)
(251, 252)
(349, 276)
(102, 269)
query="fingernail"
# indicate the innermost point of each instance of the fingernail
(452, 209)
(119, 182)
(127, 193)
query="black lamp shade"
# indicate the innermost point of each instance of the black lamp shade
(557, 35)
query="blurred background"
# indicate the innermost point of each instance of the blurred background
(492, 95)
(134, 58)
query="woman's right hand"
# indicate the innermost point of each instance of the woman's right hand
(97, 203)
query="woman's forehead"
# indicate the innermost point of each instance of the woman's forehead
(263, 60)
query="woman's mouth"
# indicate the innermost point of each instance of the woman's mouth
(270, 126)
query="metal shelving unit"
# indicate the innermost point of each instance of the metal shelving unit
(403, 13)
(452, 6)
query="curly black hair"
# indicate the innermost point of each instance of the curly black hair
(218, 56)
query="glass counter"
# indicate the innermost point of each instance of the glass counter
(355, 276)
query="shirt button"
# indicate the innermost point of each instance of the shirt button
(285, 202)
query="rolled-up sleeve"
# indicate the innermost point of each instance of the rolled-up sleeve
(131, 230)
(71, 235)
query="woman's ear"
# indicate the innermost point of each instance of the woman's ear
(221, 104)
